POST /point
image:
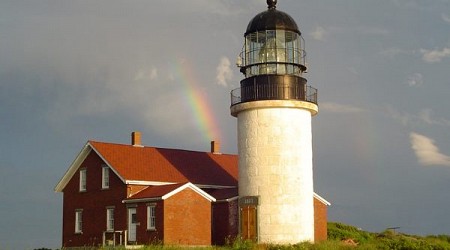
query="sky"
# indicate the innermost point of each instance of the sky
(73, 71)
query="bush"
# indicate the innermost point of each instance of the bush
(339, 231)
(239, 244)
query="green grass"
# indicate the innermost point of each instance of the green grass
(385, 240)
(338, 233)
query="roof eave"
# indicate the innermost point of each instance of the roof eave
(70, 172)
(87, 148)
(228, 199)
(148, 183)
(321, 199)
(142, 200)
(213, 186)
(193, 187)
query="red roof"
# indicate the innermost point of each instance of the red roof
(155, 191)
(165, 191)
(139, 163)
(223, 194)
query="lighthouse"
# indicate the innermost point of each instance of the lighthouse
(274, 107)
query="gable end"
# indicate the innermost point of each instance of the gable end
(85, 151)
(194, 188)
(73, 168)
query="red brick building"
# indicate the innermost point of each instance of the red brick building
(134, 194)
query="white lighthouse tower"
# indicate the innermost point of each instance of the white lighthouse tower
(274, 107)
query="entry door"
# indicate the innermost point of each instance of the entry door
(132, 224)
(248, 223)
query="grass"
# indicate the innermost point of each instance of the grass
(340, 237)
(385, 240)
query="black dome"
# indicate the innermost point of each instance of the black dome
(272, 19)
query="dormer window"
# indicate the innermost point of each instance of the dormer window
(82, 180)
(105, 177)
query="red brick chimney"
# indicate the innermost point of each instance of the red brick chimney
(136, 138)
(215, 147)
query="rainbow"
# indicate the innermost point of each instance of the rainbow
(197, 101)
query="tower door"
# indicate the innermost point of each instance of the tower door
(248, 223)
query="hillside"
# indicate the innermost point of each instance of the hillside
(341, 236)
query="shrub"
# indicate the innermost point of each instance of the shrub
(339, 231)
(239, 244)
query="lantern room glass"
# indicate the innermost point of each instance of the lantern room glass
(273, 52)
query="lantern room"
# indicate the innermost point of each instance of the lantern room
(273, 45)
(273, 60)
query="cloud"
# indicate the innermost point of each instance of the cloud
(393, 52)
(445, 18)
(353, 70)
(340, 108)
(425, 116)
(217, 8)
(427, 153)
(433, 56)
(319, 33)
(403, 118)
(224, 72)
(153, 74)
(368, 30)
(122, 91)
(415, 79)
(143, 74)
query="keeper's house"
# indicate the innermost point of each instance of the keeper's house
(116, 194)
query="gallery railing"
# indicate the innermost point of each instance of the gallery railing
(273, 92)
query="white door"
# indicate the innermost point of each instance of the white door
(132, 224)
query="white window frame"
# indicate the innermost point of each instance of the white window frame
(79, 221)
(105, 177)
(109, 219)
(151, 217)
(83, 175)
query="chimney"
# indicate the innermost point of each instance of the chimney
(136, 139)
(215, 147)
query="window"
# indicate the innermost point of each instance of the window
(78, 221)
(109, 219)
(105, 177)
(151, 217)
(83, 180)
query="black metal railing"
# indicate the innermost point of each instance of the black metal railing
(273, 92)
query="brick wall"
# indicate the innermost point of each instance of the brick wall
(320, 221)
(187, 219)
(225, 222)
(153, 236)
(93, 202)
